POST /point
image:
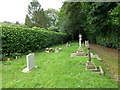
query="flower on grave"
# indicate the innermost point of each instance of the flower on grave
(60, 48)
(47, 49)
(51, 49)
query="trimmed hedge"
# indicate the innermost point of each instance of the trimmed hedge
(17, 40)
(110, 40)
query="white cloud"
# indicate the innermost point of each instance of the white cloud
(15, 10)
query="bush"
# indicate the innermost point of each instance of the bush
(53, 29)
(22, 40)
(110, 40)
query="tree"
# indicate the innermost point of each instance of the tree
(52, 28)
(36, 15)
(52, 15)
(28, 21)
(17, 22)
(71, 19)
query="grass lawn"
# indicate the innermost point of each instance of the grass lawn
(55, 70)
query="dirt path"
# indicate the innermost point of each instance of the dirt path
(109, 57)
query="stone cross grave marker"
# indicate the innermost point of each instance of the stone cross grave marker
(80, 40)
(30, 62)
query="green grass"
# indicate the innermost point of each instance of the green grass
(55, 70)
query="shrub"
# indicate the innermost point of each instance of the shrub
(110, 40)
(53, 29)
(22, 40)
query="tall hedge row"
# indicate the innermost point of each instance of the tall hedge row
(17, 40)
(110, 40)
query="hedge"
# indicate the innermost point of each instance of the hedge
(17, 40)
(110, 40)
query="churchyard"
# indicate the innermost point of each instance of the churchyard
(76, 46)
(56, 70)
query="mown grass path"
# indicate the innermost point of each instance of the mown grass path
(55, 70)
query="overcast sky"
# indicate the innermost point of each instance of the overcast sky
(16, 10)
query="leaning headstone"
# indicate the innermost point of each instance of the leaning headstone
(30, 62)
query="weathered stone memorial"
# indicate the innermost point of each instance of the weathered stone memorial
(80, 38)
(86, 43)
(80, 51)
(91, 66)
(30, 62)
(67, 44)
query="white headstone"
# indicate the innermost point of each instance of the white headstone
(30, 62)
(86, 43)
(80, 40)
(67, 44)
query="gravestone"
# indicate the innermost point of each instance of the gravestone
(80, 52)
(80, 40)
(67, 44)
(86, 43)
(30, 62)
(91, 66)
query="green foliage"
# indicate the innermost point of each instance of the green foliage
(52, 15)
(36, 16)
(71, 19)
(28, 21)
(22, 40)
(96, 21)
(102, 23)
(110, 40)
(56, 29)
(55, 70)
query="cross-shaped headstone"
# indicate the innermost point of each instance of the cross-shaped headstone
(80, 40)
